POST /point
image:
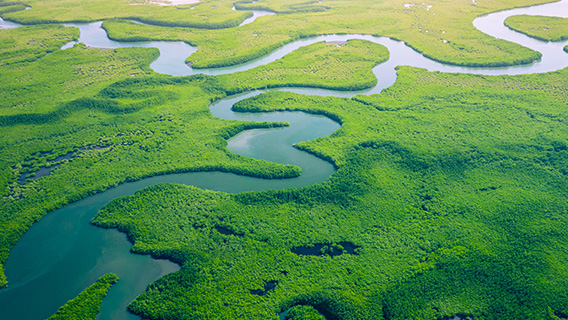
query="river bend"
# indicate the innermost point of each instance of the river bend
(63, 253)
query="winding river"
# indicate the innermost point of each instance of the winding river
(63, 253)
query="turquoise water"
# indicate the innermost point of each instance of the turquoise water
(63, 253)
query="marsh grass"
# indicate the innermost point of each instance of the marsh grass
(107, 106)
(539, 27)
(206, 14)
(440, 30)
(454, 197)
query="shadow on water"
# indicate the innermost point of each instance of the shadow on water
(268, 286)
(228, 232)
(327, 249)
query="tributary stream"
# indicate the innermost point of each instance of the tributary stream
(63, 253)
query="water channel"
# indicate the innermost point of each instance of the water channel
(63, 253)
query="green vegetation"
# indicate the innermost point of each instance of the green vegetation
(453, 186)
(292, 6)
(7, 7)
(345, 66)
(87, 304)
(107, 106)
(301, 312)
(440, 30)
(539, 27)
(207, 14)
(35, 89)
(28, 44)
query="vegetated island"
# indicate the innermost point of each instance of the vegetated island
(540, 27)
(87, 304)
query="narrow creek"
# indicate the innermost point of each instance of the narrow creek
(63, 253)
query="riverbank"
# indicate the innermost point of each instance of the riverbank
(375, 102)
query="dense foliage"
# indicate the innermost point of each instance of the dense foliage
(212, 15)
(440, 29)
(539, 27)
(453, 187)
(35, 89)
(87, 304)
(291, 6)
(31, 43)
(301, 312)
(321, 65)
(105, 106)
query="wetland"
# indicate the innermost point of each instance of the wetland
(277, 122)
